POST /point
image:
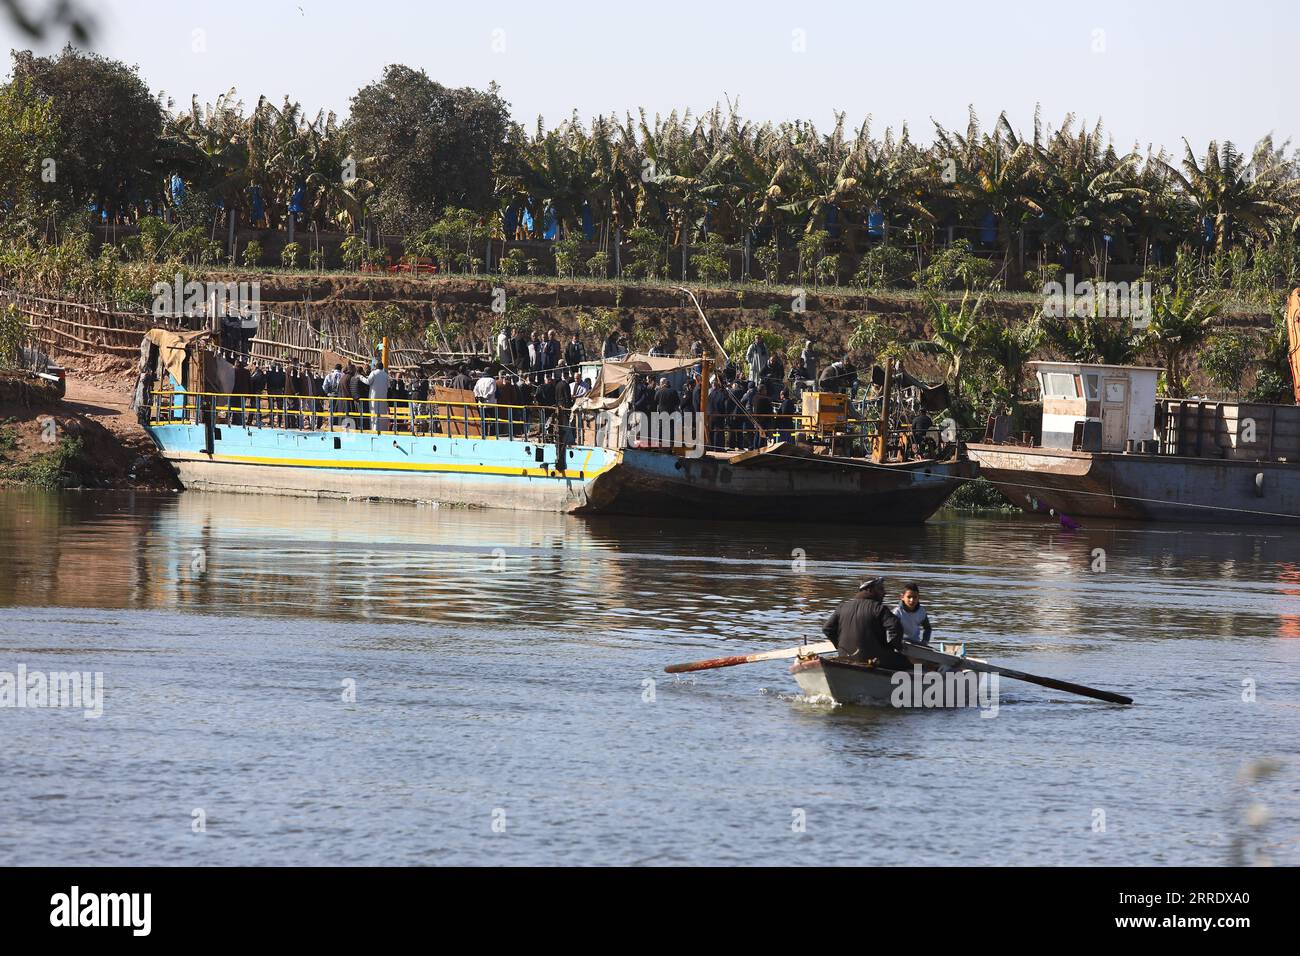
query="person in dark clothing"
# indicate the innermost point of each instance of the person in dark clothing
(785, 415)
(358, 392)
(666, 398)
(519, 351)
(275, 382)
(863, 628)
(613, 348)
(343, 401)
(292, 389)
(717, 414)
(643, 396)
(838, 377)
(922, 435)
(667, 401)
(574, 353)
(691, 400)
(257, 385)
(546, 391)
(243, 387)
(462, 379)
(420, 395)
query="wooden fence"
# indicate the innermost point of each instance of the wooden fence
(60, 327)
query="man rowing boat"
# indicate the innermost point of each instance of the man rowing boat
(863, 628)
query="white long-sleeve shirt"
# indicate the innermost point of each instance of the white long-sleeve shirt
(485, 390)
(378, 382)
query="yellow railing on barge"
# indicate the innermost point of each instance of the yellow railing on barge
(488, 420)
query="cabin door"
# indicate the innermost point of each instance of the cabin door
(1114, 414)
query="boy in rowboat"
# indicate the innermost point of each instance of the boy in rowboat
(912, 617)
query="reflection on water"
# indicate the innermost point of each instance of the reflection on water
(1012, 577)
(505, 660)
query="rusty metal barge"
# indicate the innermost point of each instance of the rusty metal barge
(1110, 448)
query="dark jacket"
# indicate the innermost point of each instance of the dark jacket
(863, 628)
(519, 351)
(574, 354)
(667, 399)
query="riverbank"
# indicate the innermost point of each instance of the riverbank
(87, 439)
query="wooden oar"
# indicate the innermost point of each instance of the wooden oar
(821, 647)
(919, 652)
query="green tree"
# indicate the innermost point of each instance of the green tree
(28, 142)
(1182, 318)
(1244, 197)
(426, 146)
(1227, 355)
(711, 263)
(109, 126)
(956, 334)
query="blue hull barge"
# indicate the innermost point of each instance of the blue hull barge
(451, 450)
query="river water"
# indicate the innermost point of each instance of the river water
(300, 682)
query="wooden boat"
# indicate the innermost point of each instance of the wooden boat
(941, 676)
(840, 680)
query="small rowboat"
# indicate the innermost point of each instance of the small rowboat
(941, 676)
(844, 681)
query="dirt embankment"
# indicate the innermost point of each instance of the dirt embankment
(87, 439)
(827, 318)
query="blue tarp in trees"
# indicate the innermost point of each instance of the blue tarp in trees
(989, 229)
(298, 200)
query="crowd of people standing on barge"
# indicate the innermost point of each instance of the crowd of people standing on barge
(749, 402)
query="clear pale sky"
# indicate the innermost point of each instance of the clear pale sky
(1154, 71)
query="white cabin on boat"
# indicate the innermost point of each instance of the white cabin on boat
(1097, 407)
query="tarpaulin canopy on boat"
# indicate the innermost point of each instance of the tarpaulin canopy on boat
(607, 391)
(173, 347)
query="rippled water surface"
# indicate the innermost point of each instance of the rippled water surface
(510, 704)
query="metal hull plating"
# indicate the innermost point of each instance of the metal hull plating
(520, 475)
(1143, 487)
(655, 484)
